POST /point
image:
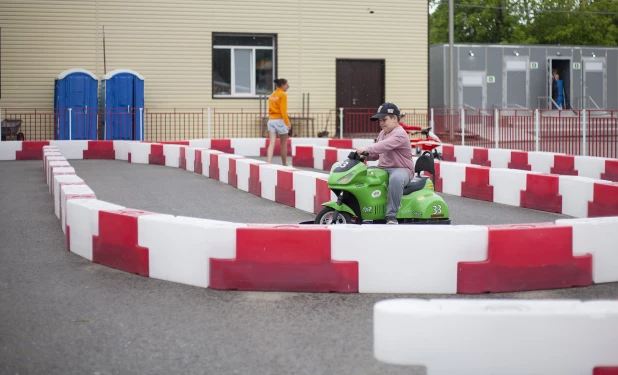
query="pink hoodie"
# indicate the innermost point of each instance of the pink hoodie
(393, 150)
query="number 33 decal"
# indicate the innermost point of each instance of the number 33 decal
(437, 210)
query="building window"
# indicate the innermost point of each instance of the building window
(242, 65)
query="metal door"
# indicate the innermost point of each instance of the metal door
(472, 89)
(516, 82)
(595, 83)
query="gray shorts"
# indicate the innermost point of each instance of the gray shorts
(277, 126)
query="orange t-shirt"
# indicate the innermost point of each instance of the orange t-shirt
(278, 106)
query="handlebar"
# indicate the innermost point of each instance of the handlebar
(355, 156)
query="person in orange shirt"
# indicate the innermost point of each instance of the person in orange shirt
(278, 120)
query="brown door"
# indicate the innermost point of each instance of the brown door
(360, 91)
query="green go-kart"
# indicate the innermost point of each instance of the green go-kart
(362, 193)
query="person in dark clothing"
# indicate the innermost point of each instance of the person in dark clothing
(558, 92)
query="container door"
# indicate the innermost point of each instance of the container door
(516, 82)
(79, 96)
(472, 89)
(595, 79)
(124, 106)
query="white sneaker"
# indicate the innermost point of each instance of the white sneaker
(392, 221)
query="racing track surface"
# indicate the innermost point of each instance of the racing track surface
(61, 314)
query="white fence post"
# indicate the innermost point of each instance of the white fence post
(537, 129)
(584, 132)
(70, 125)
(431, 122)
(141, 123)
(341, 123)
(496, 129)
(208, 122)
(463, 127)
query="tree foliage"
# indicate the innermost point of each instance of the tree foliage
(565, 22)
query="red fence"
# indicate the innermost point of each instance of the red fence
(593, 132)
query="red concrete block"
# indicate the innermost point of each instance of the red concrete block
(116, 245)
(277, 149)
(448, 153)
(322, 195)
(129, 157)
(564, 165)
(605, 371)
(197, 163)
(232, 177)
(213, 169)
(68, 237)
(611, 171)
(605, 200)
(437, 180)
(519, 160)
(156, 155)
(526, 257)
(330, 158)
(542, 193)
(182, 159)
(287, 258)
(255, 186)
(100, 150)
(480, 156)
(284, 190)
(303, 157)
(340, 143)
(223, 145)
(31, 150)
(476, 184)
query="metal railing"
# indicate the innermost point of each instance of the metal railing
(579, 132)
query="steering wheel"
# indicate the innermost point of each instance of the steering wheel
(355, 156)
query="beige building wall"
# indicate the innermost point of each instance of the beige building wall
(170, 44)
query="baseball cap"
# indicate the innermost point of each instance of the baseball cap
(385, 109)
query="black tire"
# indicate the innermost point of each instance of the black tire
(342, 218)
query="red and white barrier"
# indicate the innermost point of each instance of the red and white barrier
(524, 337)
(138, 152)
(374, 259)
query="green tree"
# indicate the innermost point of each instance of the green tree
(567, 22)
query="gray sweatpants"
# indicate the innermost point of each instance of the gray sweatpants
(398, 178)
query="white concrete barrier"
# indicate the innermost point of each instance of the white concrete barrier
(304, 187)
(243, 172)
(408, 259)
(61, 180)
(140, 152)
(71, 149)
(576, 193)
(224, 165)
(596, 236)
(464, 154)
(121, 150)
(590, 166)
(508, 184)
(247, 146)
(490, 337)
(453, 174)
(499, 158)
(172, 155)
(68, 192)
(541, 162)
(194, 242)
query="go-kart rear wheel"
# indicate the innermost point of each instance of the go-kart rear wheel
(327, 217)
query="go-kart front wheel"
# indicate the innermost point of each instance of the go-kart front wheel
(327, 217)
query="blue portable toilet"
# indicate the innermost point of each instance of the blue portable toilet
(122, 92)
(76, 105)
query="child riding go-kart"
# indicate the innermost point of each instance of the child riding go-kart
(362, 192)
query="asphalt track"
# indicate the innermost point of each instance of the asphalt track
(61, 314)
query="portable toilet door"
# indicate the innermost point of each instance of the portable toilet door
(75, 105)
(123, 91)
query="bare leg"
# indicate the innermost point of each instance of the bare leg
(271, 146)
(284, 149)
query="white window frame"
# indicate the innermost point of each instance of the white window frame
(253, 49)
